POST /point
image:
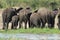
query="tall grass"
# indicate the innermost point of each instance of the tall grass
(32, 3)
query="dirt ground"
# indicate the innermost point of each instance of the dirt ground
(1, 25)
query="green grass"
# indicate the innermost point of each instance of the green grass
(33, 31)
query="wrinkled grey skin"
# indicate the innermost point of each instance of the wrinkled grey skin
(7, 16)
(43, 16)
(48, 16)
(34, 19)
(14, 21)
(24, 16)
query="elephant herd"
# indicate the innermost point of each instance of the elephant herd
(38, 18)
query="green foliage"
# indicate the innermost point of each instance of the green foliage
(32, 3)
(33, 31)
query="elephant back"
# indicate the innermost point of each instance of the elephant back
(8, 13)
(24, 12)
(43, 11)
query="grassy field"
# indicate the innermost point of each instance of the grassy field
(33, 31)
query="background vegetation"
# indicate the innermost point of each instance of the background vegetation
(32, 3)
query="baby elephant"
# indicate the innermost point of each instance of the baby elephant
(14, 21)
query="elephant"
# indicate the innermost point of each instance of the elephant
(24, 16)
(14, 21)
(47, 16)
(43, 16)
(58, 20)
(35, 19)
(7, 16)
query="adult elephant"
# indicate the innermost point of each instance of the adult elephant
(35, 19)
(24, 16)
(7, 16)
(48, 16)
(43, 16)
(58, 19)
(14, 21)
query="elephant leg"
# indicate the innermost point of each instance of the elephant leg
(16, 24)
(20, 24)
(25, 24)
(39, 23)
(4, 25)
(15, 27)
(31, 25)
(12, 27)
(43, 23)
(51, 23)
